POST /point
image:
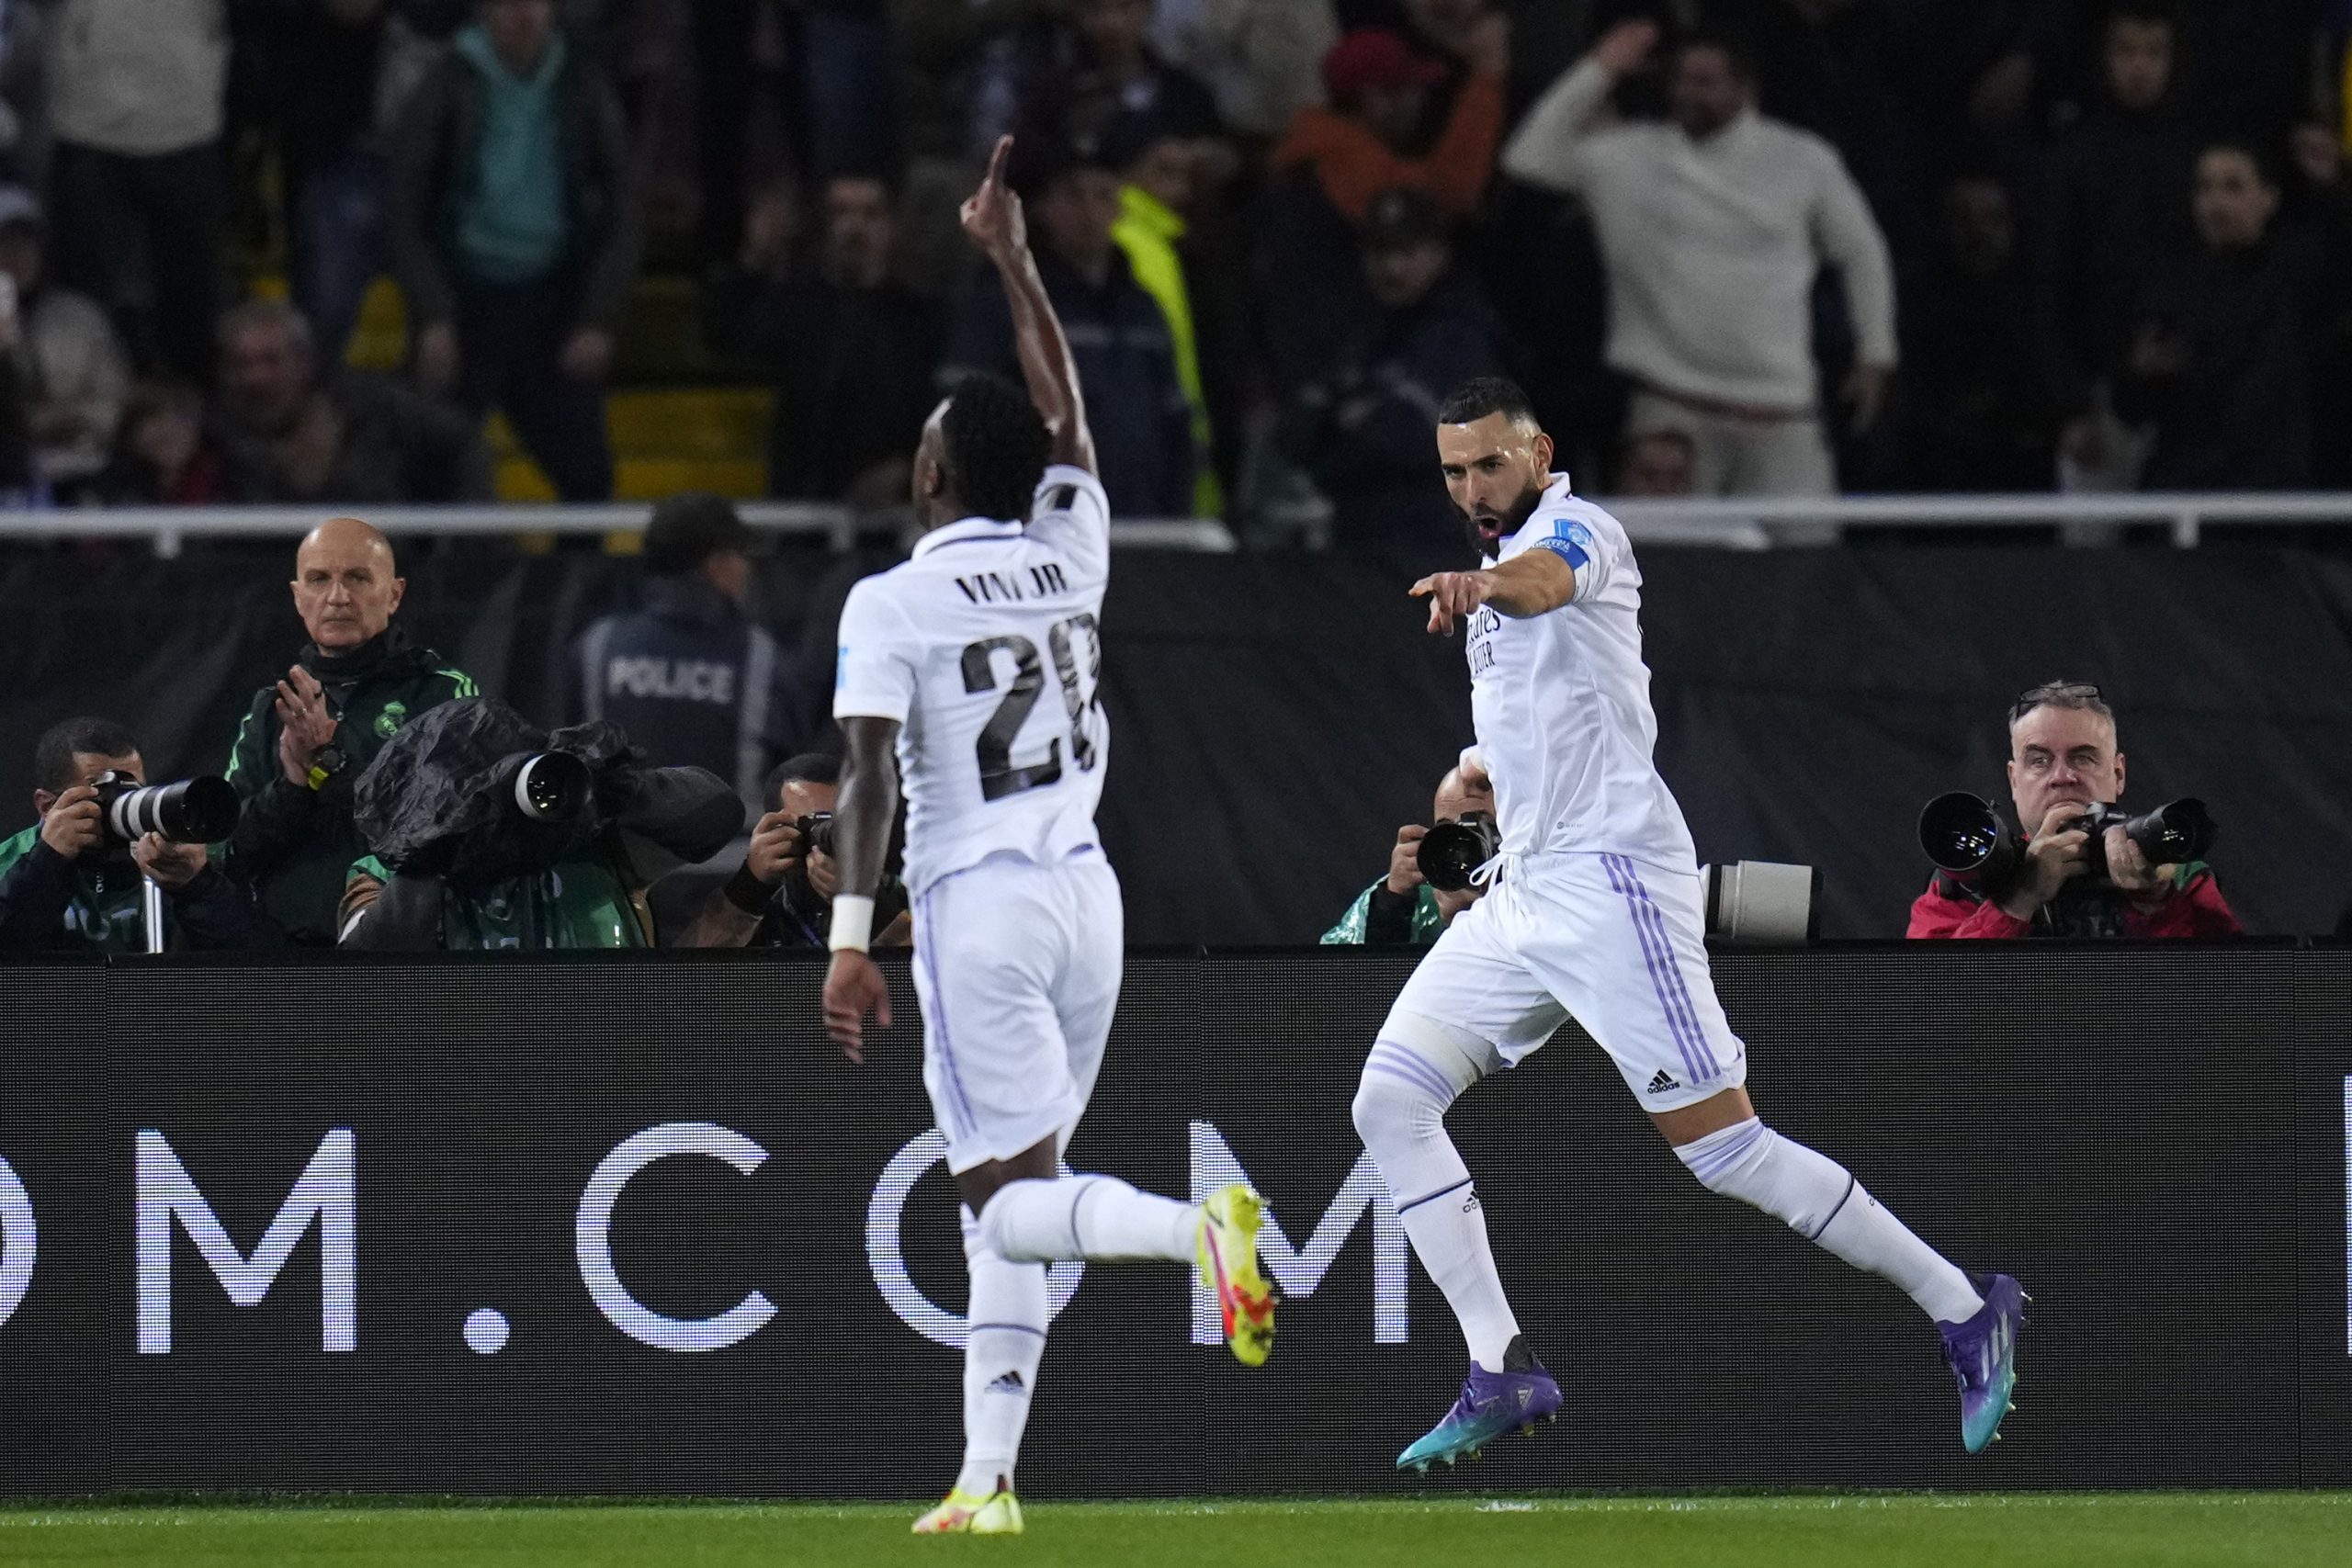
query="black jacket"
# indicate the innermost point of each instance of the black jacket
(855, 372)
(1126, 368)
(399, 449)
(51, 904)
(692, 681)
(433, 157)
(293, 846)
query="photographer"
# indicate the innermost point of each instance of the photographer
(1402, 908)
(491, 833)
(783, 897)
(67, 883)
(308, 737)
(2063, 759)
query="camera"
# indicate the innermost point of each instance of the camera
(200, 810)
(1451, 851)
(815, 832)
(1759, 901)
(1964, 835)
(552, 786)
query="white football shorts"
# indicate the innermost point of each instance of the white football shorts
(1017, 967)
(1617, 943)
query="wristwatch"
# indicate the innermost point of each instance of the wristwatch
(325, 765)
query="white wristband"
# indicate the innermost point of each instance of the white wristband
(853, 925)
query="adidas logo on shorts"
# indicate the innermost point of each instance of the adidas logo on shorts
(1664, 1081)
(1009, 1383)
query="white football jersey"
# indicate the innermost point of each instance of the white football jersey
(1561, 702)
(985, 645)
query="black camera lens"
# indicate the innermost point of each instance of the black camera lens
(1450, 852)
(200, 810)
(817, 833)
(2174, 834)
(552, 786)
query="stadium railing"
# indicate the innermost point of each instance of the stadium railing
(1743, 523)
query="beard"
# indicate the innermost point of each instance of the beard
(1510, 522)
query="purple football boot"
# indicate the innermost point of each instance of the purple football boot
(1492, 1403)
(1982, 1354)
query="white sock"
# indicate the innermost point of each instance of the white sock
(1087, 1216)
(1400, 1114)
(1004, 1340)
(1825, 1205)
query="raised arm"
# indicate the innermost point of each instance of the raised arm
(992, 220)
(1543, 151)
(1533, 582)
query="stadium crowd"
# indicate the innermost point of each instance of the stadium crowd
(1731, 246)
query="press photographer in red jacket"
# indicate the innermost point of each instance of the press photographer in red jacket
(2063, 759)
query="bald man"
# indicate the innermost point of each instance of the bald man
(310, 734)
(1402, 908)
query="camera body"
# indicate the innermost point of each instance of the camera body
(1450, 852)
(200, 810)
(815, 832)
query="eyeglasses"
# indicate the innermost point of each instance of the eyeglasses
(2056, 693)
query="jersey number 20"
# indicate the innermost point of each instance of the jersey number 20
(1000, 775)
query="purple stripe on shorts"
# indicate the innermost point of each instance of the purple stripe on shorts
(1402, 1062)
(1649, 956)
(960, 1101)
(1674, 974)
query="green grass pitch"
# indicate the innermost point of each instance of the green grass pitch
(1871, 1530)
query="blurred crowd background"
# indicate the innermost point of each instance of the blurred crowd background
(359, 252)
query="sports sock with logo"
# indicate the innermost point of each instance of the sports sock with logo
(1087, 1216)
(1821, 1201)
(1004, 1339)
(1400, 1113)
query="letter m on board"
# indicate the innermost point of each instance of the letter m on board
(326, 1192)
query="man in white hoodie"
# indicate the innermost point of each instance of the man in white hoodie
(1712, 226)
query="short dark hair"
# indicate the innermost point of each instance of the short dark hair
(2163, 14)
(1483, 395)
(1730, 45)
(995, 447)
(687, 529)
(809, 767)
(53, 755)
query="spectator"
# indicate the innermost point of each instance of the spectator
(1661, 466)
(2063, 757)
(161, 456)
(356, 440)
(2222, 339)
(1357, 148)
(307, 737)
(1259, 58)
(1402, 908)
(1125, 357)
(2111, 210)
(71, 367)
(67, 886)
(1104, 67)
(459, 867)
(1711, 229)
(1360, 423)
(854, 351)
(138, 185)
(783, 895)
(334, 67)
(1979, 417)
(516, 235)
(687, 676)
(1158, 173)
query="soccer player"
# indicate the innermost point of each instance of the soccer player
(1592, 910)
(971, 671)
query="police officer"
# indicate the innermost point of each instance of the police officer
(309, 736)
(690, 678)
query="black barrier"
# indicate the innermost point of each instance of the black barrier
(531, 1225)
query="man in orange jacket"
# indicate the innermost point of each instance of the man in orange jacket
(2063, 757)
(1378, 87)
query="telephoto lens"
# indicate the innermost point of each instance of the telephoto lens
(1964, 838)
(201, 811)
(1450, 852)
(552, 786)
